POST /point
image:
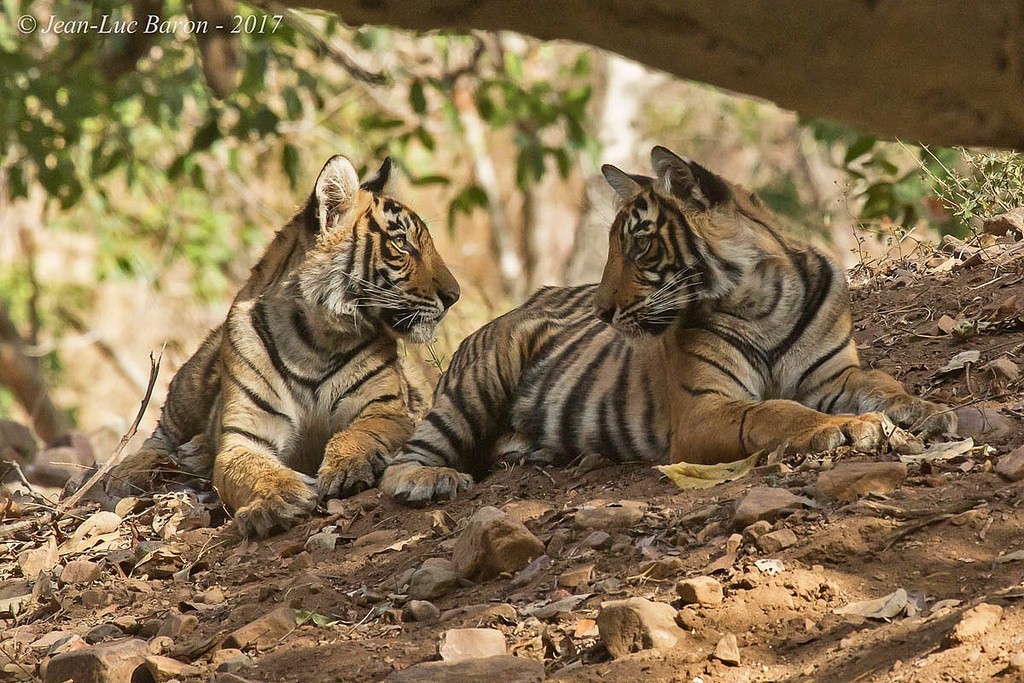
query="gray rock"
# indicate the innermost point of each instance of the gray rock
(434, 578)
(1011, 465)
(620, 516)
(983, 423)
(764, 503)
(420, 610)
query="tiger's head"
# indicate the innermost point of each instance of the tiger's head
(373, 263)
(678, 239)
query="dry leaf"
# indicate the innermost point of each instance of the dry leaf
(690, 476)
(941, 451)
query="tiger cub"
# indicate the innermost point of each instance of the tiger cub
(304, 377)
(710, 337)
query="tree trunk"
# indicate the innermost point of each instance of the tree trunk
(20, 374)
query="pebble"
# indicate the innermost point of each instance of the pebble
(664, 568)
(321, 543)
(263, 632)
(1011, 465)
(80, 571)
(460, 644)
(623, 515)
(530, 572)
(775, 541)
(229, 659)
(178, 625)
(636, 624)
(700, 590)
(757, 530)
(764, 503)
(504, 668)
(728, 650)
(213, 595)
(435, 578)
(103, 632)
(598, 540)
(420, 610)
(494, 543)
(164, 669)
(849, 481)
(574, 579)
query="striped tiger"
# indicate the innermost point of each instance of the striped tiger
(710, 337)
(304, 378)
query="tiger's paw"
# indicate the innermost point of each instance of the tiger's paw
(416, 485)
(866, 432)
(921, 417)
(290, 503)
(136, 474)
(350, 476)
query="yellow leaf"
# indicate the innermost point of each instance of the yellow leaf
(687, 475)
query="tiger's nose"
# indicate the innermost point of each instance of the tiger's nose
(605, 313)
(448, 297)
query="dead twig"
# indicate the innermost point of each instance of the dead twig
(72, 500)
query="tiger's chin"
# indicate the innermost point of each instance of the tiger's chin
(418, 328)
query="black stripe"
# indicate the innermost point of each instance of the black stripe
(426, 448)
(260, 325)
(743, 423)
(703, 392)
(753, 355)
(342, 360)
(303, 330)
(456, 397)
(814, 297)
(233, 345)
(835, 399)
(721, 368)
(256, 399)
(577, 397)
(829, 355)
(228, 429)
(622, 391)
(649, 434)
(445, 430)
(367, 376)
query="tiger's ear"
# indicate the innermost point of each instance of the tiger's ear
(687, 180)
(335, 191)
(626, 185)
(378, 183)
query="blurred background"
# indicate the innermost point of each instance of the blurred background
(142, 175)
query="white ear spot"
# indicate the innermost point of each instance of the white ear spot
(336, 189)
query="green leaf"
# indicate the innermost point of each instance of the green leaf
(859, 147)
(417, 98)
(303, 617)
(292, 164)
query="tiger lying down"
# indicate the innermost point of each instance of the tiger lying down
(710, 337)
(304, 376)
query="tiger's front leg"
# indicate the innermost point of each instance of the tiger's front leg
(248, 472)
(718, 429)
(859, 391)
(356, 456)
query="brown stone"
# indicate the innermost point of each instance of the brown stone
(420, 610)
(164, 669)
(638, 624)
(700, 590)
(976, 621)
(576, 578)
(504, 668)
(80, 571)
(41, 559)
(848, 481)
(775, 541)
(1011, 465)
(764, 503)
(664, 568)
(263, 632)
(1010, 222)
(494, 543)
(728, 650)
(106, 663)
(178, 625)
(619, 516)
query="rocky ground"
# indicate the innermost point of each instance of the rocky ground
(848, 567)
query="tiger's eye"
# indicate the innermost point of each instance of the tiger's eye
(398, 243)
